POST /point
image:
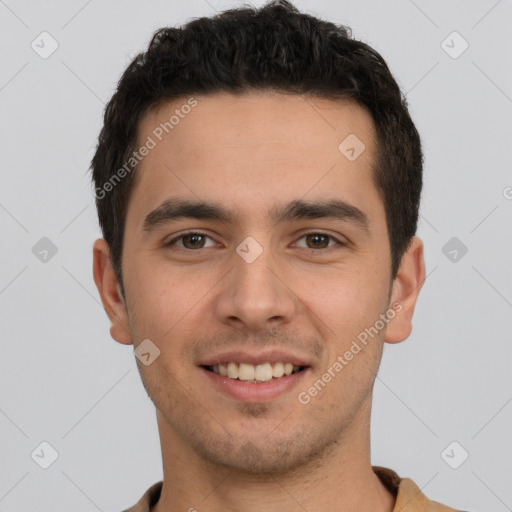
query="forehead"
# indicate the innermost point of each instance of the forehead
(256, 145)
(223, 120)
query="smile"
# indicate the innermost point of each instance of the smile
(265, 372)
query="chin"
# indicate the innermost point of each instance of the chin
(266, 455)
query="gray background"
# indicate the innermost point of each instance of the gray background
(63, 380)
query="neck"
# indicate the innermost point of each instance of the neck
(339, 479)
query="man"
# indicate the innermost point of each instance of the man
(258, 180)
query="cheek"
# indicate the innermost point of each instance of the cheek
(345, 300)
(163, 298)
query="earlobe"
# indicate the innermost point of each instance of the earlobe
(110, 293)
(406, 288)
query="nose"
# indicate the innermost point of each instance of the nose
(256, 295)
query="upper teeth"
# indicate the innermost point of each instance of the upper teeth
(261, 372)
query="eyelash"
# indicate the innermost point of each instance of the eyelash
(189, 233)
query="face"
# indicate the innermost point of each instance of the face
(254, 243)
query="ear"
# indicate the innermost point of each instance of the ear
(406, 288)
(110, 293)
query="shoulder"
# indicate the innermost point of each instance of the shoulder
(409, 497)
(148, 499)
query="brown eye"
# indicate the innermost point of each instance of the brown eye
(191, 241)
(318, 240)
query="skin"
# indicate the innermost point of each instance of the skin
(308, 297)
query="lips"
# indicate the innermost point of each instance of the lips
(254, 391)
(251, 376)
(253, 358)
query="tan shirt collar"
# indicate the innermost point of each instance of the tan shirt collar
(409, 497)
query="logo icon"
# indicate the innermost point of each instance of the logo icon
(44, 45)
(352, 147)
(249, 249)
(44, 250)
(44, 455)
(146, 352)
(454, 455)
(454, 250)
(454, 45)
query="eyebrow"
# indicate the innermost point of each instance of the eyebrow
(174, 209)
